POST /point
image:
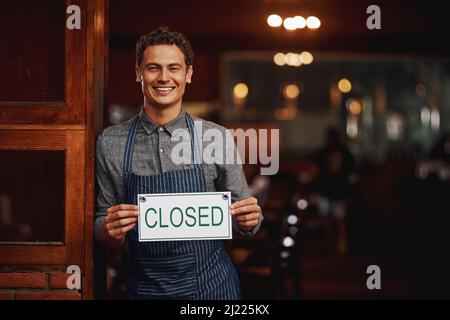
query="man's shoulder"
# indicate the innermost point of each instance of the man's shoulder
(113, 138)
(118, 130)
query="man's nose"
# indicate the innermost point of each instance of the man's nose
(163, 75)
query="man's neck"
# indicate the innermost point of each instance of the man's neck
(161, 116)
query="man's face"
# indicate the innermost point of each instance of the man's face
(163, 75)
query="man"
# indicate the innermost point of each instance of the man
(135, 157)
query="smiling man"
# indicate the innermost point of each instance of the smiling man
(134, 157)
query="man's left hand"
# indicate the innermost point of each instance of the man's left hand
(247, 213)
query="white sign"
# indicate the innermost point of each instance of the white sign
(184, 216)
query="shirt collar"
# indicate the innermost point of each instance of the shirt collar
(150, 126)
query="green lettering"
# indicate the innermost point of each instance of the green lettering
(160, 220)
(200, 216)
(146, 221)
(212, 216)
(190, 216)
(181, 217)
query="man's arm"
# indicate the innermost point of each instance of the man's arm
(112, 221)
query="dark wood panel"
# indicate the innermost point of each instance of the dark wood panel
(72, 249)
(32, 196)
(32, 58)
(57, 57)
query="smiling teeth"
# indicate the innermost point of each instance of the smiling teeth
(164, 89)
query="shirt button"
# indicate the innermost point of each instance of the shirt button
(161, 128)
(161, 150)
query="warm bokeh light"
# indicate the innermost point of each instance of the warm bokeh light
(355, 107)
(292, 59)
(274, 20)
(298, 61)
(291, 91)
(306, 57)
(344, 85)
(279, 59)
(289, 24)
(300, 22)
(240, 90)
(313, 22)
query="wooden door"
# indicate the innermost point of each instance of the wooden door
(51, 95)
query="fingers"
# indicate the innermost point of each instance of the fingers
(248, 225)
(246, 209)
(247, 213)
(120, 223)
(123, 207)
(121, 211)
(121, 219)
(248, 217)
(119, 233)
(251, 200)
(119, 215)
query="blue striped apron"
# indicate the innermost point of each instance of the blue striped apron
(195, 269)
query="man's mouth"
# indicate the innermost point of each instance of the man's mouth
(163, 90)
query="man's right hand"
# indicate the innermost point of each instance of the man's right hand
(119, 220)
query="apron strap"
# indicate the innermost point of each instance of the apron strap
(195, 145)
(129, 146)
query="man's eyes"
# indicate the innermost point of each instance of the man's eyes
(154, 69)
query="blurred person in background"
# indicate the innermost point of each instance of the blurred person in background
(333, 185)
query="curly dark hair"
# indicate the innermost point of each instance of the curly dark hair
(162, 35)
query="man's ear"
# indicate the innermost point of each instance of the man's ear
(138, 74)
(189, 73)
